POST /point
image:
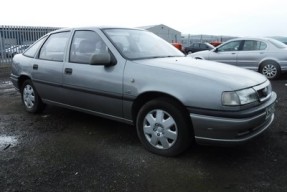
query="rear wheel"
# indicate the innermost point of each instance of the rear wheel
(163, 127)
(30, 98)
(271, 70)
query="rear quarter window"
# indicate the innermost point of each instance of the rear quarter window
(31, 51)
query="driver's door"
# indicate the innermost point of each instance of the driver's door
(226, 53)
(94, 88)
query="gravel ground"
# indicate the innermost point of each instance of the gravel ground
(64, 150)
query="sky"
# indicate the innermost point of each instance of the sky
(210, 17)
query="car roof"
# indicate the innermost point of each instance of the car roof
(252, 38)
(93, 28)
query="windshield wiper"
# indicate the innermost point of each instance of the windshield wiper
(157, 57)
(166, 56)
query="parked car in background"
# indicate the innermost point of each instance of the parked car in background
(15, 49)
(215, 43)
(195, 47)
(265, 55)
(134, 76)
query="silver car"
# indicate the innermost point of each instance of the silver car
(265, 55)
(133, 76)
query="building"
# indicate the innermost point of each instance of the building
(169, 34)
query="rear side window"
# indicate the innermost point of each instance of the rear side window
(251, 45)
(262, 46)
(54, 48)
(203, 46)
(31, 51)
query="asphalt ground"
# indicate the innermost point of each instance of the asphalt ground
(64, 150)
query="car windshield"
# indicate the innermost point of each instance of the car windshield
(141, 44)
(277, 43)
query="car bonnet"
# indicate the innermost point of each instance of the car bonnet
(231, 76)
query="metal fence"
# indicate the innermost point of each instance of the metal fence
(15, 39)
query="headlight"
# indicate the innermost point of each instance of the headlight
(241, 97)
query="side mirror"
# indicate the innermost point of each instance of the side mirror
(102, 59)
(215, 50)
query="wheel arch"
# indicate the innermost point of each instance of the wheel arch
(21, 80)
(148, 96)
(268, 61)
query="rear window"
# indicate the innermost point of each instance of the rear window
(277, 43)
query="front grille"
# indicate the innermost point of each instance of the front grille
(264, 91)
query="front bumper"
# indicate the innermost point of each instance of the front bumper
(15, 81)
(236, 129)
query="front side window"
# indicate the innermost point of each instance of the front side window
(231, 46)
(31, 51)
(54, 48)
(85, 44)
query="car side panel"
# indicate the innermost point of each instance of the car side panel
(250, 59)
(47, 85)
(228, 57)
(95, 88)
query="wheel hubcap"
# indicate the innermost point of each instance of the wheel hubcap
(160, 129)
(269, 71)
(29, 96)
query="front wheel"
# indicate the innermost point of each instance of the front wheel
(163, 127)
(30, 98)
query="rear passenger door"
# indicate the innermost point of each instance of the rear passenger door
(251, 54)
(92, 88)
(47, 72)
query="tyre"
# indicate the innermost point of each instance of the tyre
(30, 98)
(271, 70)
(163, 127)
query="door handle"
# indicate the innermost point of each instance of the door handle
(35, 67)
(68, 71)
(233, 53)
